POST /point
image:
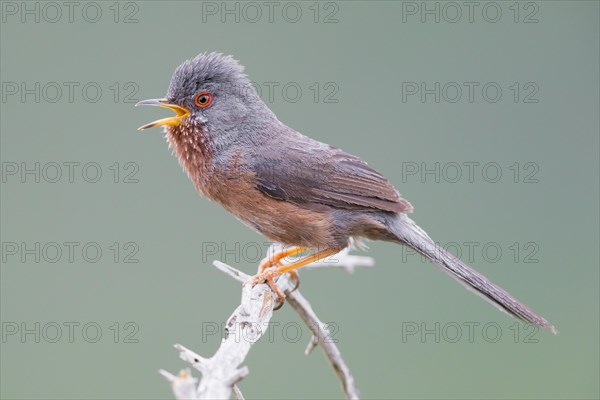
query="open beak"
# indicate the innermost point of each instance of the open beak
(171, 121)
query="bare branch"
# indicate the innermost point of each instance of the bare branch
(247, 324)
(322, 338)
(232, 272)
(237, 393)
(184, 385)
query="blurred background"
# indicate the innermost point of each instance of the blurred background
(484, 115)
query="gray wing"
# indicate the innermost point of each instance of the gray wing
(307, 172)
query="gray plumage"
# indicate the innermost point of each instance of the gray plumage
(289, 187)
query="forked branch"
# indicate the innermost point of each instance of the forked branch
(246, 326)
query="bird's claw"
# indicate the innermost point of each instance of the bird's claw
(294, 276)
(268, 277)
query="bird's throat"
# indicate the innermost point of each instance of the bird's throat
(194, 150)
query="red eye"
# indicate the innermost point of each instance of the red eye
(203, 99)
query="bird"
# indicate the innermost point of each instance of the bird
(313, 198)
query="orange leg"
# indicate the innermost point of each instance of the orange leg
(277, 257)
(269, 275)
(275, 261)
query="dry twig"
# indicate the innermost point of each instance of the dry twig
(247, 324)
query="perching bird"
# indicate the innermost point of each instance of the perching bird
(308, 195)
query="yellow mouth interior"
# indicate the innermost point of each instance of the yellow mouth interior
(175, 120)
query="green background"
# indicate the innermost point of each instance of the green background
(368, 53)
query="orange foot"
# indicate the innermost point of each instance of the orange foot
(267, 275)
(273, 263)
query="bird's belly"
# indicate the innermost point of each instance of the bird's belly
(278, 220)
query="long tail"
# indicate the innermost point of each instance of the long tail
(410, 234)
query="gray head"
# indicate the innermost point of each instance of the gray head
(210, 90)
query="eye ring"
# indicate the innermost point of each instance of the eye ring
(203, 99)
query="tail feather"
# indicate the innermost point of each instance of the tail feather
(410, 234)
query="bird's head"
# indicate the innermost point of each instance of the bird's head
(208, 90)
